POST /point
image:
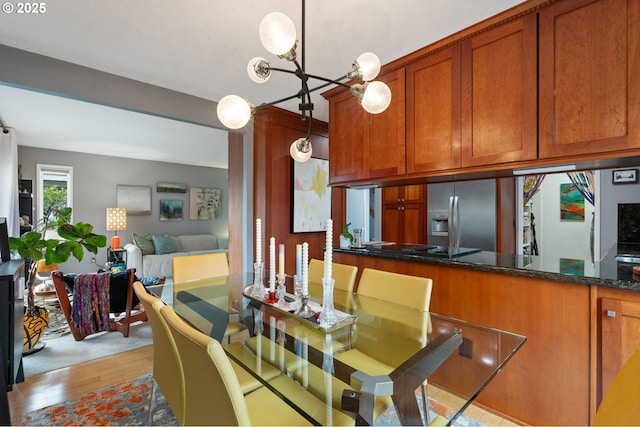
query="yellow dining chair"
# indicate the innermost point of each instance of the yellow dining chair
(619, 406)
(167, 370)
(344, 275)
(212, 392)
(195, 267)
(400, 289)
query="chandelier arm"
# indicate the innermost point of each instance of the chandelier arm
(329, 81)
(278, 101)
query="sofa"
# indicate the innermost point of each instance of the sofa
(152, 255)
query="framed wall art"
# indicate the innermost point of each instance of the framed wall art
(624, 176)
(204, 203)
(171, 187)
(571, 203)
(311, 195)
(136, 199)
(170, 210)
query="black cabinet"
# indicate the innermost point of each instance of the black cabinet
(25, 204)
(12, 284)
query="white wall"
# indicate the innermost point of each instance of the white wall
(94, 188)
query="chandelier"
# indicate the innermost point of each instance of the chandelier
(278, 36)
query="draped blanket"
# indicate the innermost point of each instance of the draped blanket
(90, 306)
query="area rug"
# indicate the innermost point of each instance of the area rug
(63, 351)
(127, 404)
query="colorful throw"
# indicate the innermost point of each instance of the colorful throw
(90, 306)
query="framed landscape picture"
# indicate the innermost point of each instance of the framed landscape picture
(136, 199)
(170, 210)
(311, 195)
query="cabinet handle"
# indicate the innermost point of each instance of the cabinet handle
(611, 313)
(399, 200)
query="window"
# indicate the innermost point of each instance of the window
(55, 188)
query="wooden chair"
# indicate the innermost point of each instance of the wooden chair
(120, 307)
(212, 391)
(619, 406)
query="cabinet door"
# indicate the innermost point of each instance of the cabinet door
(413, 223)
(433, 112)
(620, 326)
(385, 147)
(348, 130)
(392, 195)
(391, 223)
(414, 193)
(589, 86)
(499, 92)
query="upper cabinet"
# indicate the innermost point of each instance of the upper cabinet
(367, 145)
(499, 90)
(589, 85)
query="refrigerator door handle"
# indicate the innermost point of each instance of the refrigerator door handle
(451, 223)
(456, 220)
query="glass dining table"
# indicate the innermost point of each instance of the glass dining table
(372, 361)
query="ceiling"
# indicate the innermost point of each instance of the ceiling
(202, 47)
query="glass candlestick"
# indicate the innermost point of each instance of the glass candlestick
(281, 290)
(305, 311)
(258, 290)
(328, 316)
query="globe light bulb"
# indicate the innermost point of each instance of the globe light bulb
(258, 70)
(369, 65)
(376, 97)
(296, 154)
(277, 33)
(234, 112)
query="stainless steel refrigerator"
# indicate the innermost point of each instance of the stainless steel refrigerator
(462, 214)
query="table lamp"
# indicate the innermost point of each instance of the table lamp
(116, 220)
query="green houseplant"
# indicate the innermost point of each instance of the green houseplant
(71, 240)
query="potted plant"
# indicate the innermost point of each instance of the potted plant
(346, 238)
(72, 239)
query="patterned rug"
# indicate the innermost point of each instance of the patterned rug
(127, 404)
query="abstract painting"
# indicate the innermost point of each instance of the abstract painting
(134, 198)
(170, 210)
(571, 203)
(311, 194)
(204, 203)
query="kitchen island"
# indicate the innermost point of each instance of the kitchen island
(576, 318)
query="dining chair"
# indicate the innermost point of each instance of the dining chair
(167, 370)
(344, 275)
(403, 290)
(195, 267)
(619, 406)
(213, 394)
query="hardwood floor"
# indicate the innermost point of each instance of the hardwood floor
(73, 381)
(67, 383)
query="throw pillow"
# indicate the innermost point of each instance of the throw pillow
(163, 244)
(145, 244)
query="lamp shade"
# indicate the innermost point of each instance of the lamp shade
(376, 97)
(116, 219)
(234, 112)
(277, 33)
(296, 150)
(369, 65)
(258, 70)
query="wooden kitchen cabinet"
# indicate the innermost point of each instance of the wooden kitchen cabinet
(499, 92)
(589, 88)
(367, 145)
(404, 214)
(433, 112)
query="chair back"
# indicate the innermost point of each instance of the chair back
(212, 392)
(344, 275)
(619, 406)
(167, 369)
(410, 291)
(194, 267)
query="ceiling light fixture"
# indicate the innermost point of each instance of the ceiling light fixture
(278, 36)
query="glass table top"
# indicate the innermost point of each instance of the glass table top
(373, 359)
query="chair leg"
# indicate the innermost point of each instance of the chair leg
(425, 403)
(153, 403)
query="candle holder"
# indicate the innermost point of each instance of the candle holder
(258, 290)
(281, 290)
(328, 316)
(304, 311)
(271, 297)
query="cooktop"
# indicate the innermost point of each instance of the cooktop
(425, 250)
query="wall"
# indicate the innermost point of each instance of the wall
(94, 189)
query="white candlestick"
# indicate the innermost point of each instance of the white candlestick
(272, 264)
(258, 240)
(299, 260)
(281, 260)
(329, 250)
(305, 268)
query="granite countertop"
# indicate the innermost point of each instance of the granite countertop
(606, 272)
